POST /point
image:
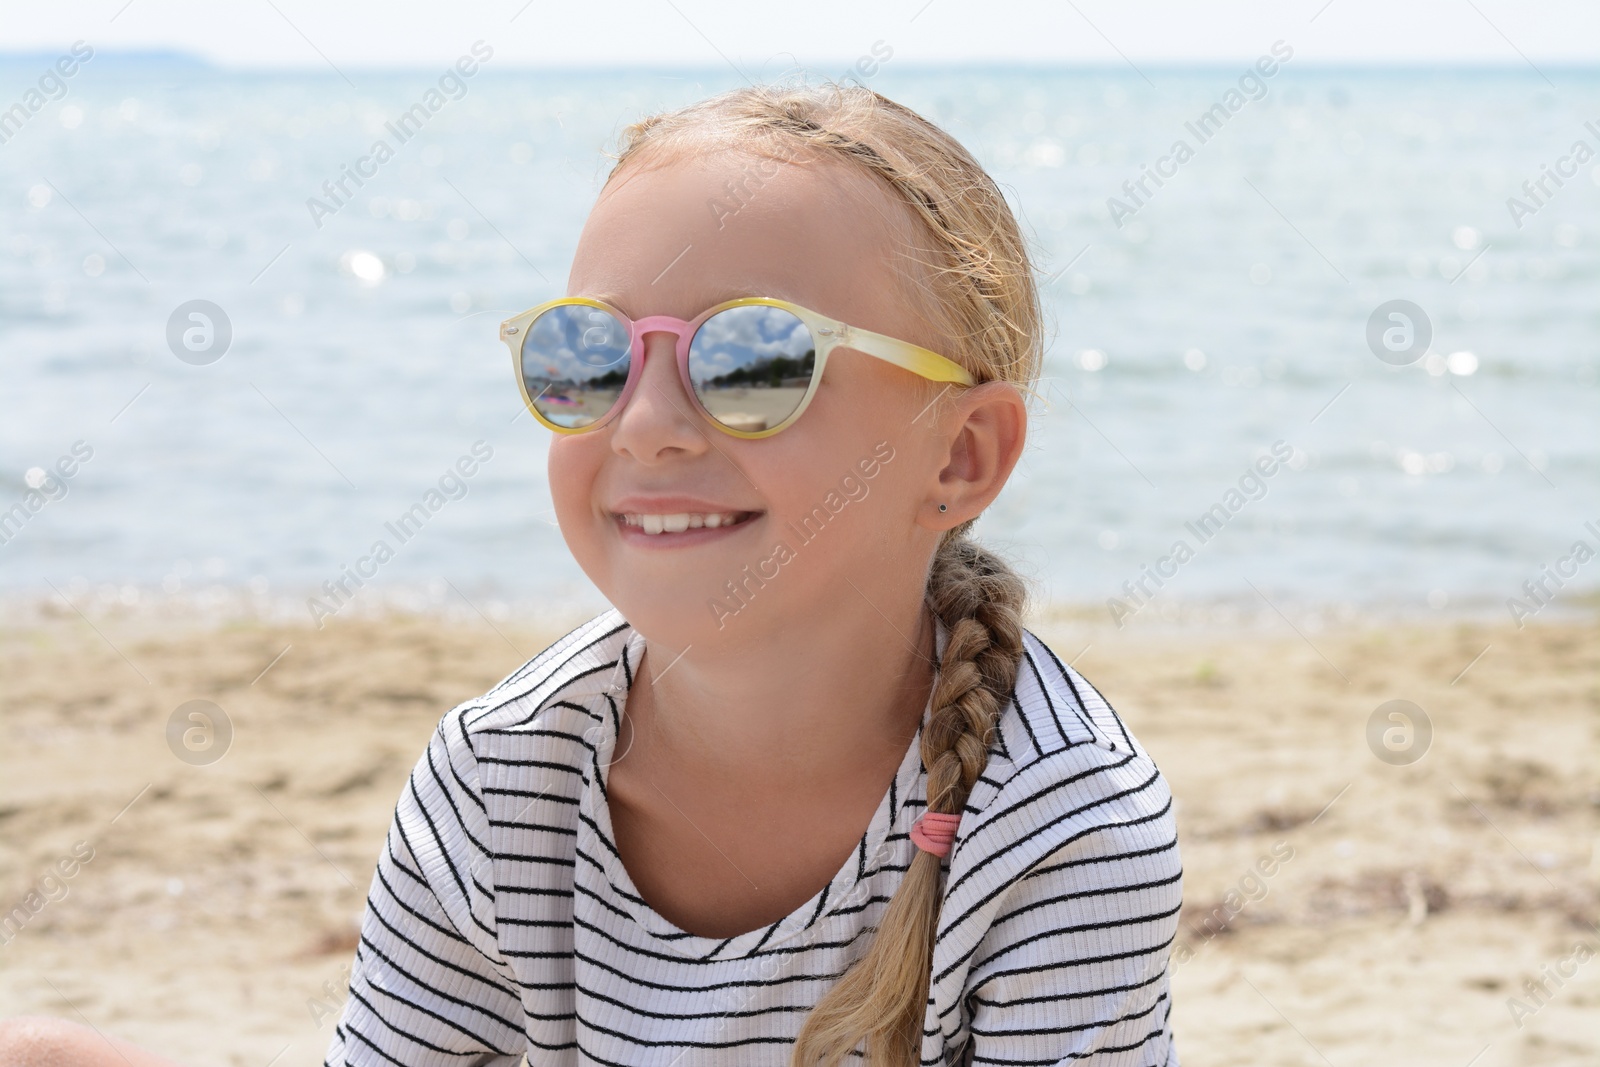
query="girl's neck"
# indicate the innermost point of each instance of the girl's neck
(826, 703)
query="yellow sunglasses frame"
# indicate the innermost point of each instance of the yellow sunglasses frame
(828, 335)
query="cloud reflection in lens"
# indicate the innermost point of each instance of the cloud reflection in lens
(751, 366)
(575, 361)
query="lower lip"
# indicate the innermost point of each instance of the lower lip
(635, 535)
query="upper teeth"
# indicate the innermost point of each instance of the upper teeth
(677, 523)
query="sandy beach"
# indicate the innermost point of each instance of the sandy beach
(1341, 909)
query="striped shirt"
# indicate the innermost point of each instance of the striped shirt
(502, 923)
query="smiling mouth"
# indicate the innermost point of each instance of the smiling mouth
(680, 521)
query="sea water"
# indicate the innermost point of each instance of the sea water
(1208, 318)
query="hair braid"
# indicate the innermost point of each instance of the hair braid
(986, 303)
(979, 599)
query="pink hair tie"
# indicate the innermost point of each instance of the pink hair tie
(935, 832)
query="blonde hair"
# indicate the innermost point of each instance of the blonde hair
(985, 305)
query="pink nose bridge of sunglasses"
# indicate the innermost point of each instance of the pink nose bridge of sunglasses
(679, 328)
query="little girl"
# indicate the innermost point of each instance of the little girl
(811, 790)
(811, 787)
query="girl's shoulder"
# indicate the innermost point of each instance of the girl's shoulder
(538, 733)
(1054, 708)
(555, 688)
(590, 658)
(1064, 886)
(1064, 772)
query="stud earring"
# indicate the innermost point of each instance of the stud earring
(943, 508)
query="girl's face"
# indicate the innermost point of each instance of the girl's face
(845, 495)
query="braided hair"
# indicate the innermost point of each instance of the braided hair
(985, 302)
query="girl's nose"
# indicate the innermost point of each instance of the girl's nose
(660, 419)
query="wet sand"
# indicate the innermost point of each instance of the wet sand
(1339, 908)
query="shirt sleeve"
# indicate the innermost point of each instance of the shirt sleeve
(1073, 968)
(428, 986)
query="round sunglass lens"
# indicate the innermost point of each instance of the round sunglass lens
(751, 366)
(574, 363)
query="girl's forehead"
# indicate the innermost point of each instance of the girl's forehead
(678, 236)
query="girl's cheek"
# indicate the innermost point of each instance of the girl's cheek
(572, 470)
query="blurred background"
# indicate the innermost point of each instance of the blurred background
(222, 374)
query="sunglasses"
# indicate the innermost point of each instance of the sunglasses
(752, 365)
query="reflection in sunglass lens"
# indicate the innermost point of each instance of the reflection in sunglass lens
(751, 366)
(574, 363)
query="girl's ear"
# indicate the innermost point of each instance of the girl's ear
(985, 430)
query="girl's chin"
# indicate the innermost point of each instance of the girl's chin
(704, 613)
(698, 585)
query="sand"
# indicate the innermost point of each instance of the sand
(1405, 907)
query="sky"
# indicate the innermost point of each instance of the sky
(766, 40)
